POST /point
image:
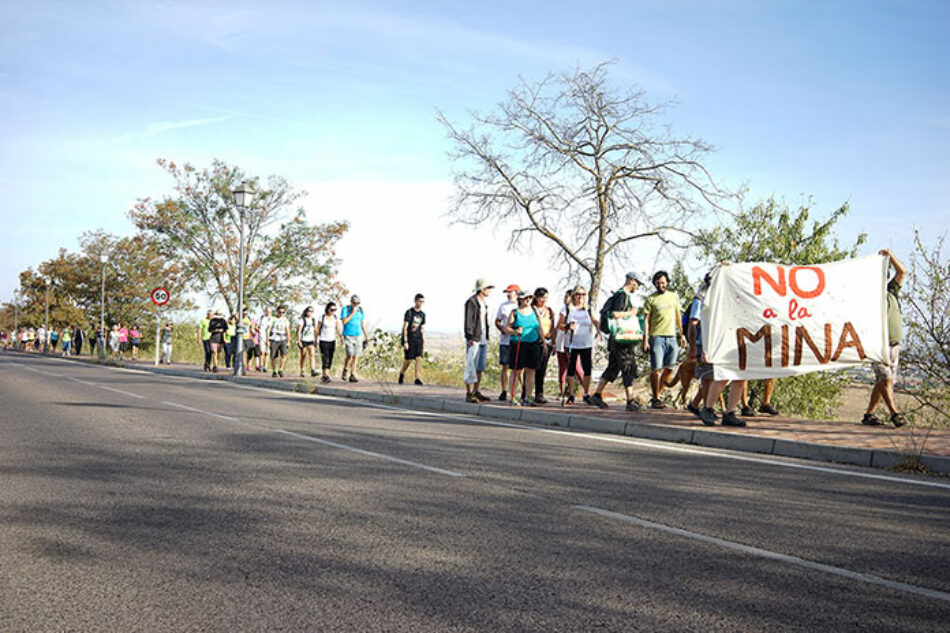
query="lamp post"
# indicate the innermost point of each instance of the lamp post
(101, 334)
(16, 320)
(241, 197)
(46, 338)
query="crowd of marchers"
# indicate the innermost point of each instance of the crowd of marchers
(530, 332)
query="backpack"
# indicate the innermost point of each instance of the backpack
(609, 306)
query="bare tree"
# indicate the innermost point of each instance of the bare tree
(585, 166)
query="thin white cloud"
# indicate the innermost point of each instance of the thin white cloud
(154, 129)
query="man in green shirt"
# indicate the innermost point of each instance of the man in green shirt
(664, 328)
(885, 373)
(204, 338)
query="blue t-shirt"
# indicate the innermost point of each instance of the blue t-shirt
(531, 327)
(695, 312)
(354, 327)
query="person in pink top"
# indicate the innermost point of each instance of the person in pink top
(135, 340)
(123, 341)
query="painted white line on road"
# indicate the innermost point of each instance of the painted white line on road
(659, 446)
(764, 553)
(192, 409)
(40, 371)
(662, 446)
(124, 393)
(360, 451)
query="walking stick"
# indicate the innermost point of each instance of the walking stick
(514, 370)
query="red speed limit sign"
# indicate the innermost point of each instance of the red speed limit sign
(160, 296)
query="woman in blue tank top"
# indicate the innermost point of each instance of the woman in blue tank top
(524, 328)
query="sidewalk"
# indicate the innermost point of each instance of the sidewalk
(831, 441)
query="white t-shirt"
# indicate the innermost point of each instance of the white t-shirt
(504, 311)
(328, 329)
(584, 333)
(279, 329)
(266, 322)
(560, 338)
(308, 330)
(483, 316)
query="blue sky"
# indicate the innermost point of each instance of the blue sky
(839, 100)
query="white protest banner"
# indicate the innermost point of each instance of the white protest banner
(770, 320)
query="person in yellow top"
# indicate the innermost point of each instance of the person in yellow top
(67, 341)
(204, 337)
(664, 329)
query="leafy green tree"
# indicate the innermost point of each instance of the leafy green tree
(287, 259)
(771, 232)
(136, 265)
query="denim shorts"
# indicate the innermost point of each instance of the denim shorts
(475, 358)
(662, 352)
(504, 355)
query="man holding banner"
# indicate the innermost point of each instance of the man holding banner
(885, 373)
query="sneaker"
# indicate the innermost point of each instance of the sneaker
(274, 375)
(748, 411)
(214, 369)
(353, 378)
(870, 419)
(402, 378)
(418, 382)
(768, 409)
(280, 373)
(898, 420)
(313, 373)
(343, 376)
(633, 406)
(325, 379)
(597, 400)
(540, 400)
(708, 416)
(481, 397)
(471, 397)
(656, 403)
(694, 410)
(503, 396)
(514, 402)
(528, 402)
(301, 374)
(570, 400)
(731, 419)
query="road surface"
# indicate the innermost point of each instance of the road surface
(136, 502)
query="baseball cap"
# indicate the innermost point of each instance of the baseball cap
(634, 276)
(514, 287)
(355, 299)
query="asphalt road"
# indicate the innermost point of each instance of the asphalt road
(135, 502)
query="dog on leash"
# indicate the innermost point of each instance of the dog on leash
(684, 376)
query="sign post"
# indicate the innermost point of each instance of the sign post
(159, 296)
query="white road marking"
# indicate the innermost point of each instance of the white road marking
(360, 451)
(124, 393)
(764, 553)
(212, 414)
(40, 371)
(660, 446)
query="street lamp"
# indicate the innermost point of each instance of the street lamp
(242, 196)
(46, 338)
(101, 334)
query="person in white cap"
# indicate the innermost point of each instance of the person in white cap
(621, 360)
(476, 339)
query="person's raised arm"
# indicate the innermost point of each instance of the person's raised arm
(900, 271)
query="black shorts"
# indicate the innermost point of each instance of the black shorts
(123, 346)
(414, 351)
(278, 348)
(217, 338)
(585, 356)
(306, 344)
(136, 342)
(254, 351)
(528, 357)
(623, 361)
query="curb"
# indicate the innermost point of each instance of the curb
(867, 457)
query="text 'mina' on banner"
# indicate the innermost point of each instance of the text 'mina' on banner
(771, 320)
